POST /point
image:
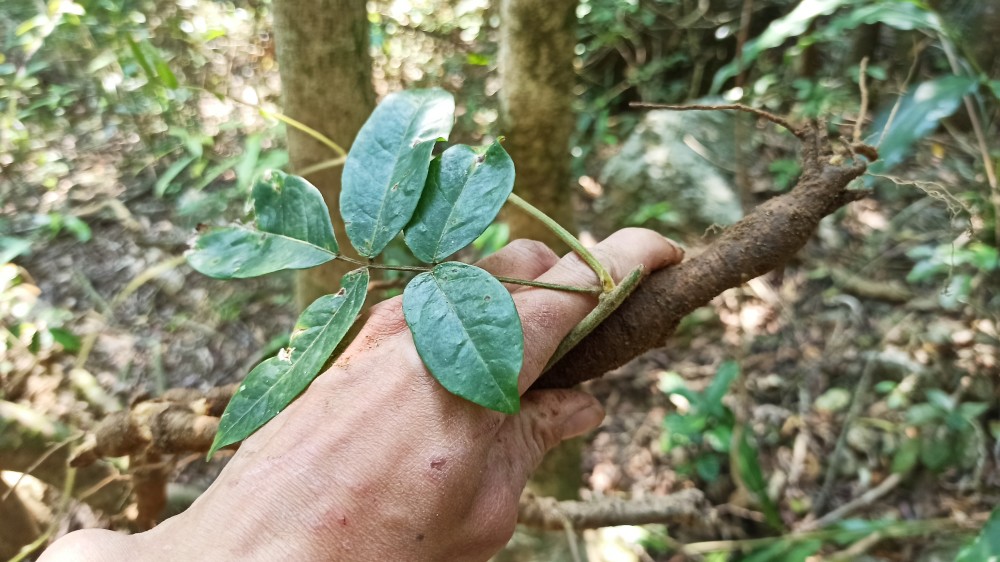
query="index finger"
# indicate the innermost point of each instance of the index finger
(547, 315)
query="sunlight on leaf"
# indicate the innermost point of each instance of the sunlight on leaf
(465, 190)
(387, 165)
(274, 383)
(468, 333)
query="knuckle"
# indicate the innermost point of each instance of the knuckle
(532, 250)
(385, 319)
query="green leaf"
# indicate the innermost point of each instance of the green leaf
(289, 205)
(274, 383)
(985, 547)
(940, 400)
(919, 114)
(468, 333)
(724, 377)
(387, 166)
(780, 30)
(708, 467)
(463, 194)
(294, 232)
(906, 456)
(237, 252)
(69, 341)
(11, 247)
(165, 180)
(750, 473)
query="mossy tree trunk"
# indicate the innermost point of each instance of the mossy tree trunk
(326, 83)
(537, 41)
(536, 52)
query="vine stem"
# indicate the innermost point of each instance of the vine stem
(607, 283)
(502, 279)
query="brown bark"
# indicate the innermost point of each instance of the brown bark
(547, 513)
(33, 444)
(765, 239)
(536, 96)
(18, 526)
(326, 82)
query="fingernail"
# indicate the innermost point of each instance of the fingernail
(582, 421)
(677, 247)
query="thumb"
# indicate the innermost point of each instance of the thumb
(547, 418)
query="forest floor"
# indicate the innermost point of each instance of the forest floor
(839, 347)
(835, 325)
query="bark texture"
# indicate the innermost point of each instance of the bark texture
(326, 83)
(765, 239)
(536, 95)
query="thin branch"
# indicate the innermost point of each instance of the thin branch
(863, 500)
(776, 119)
(547, 513)
(863, 86)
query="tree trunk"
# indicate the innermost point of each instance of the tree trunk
(537, 41)
(326, 82)
(536, 70)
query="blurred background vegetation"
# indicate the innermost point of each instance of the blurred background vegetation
(845, 408)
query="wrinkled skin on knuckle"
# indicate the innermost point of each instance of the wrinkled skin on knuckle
(385, 319)
(532, 250)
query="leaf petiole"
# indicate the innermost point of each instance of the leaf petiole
(607, 283)
(502, 279)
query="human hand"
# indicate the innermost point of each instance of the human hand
(377, 461)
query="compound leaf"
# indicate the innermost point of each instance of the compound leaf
(468, 333)
(274, 383)
(293, 231)
(387, 166)
(238, 252)
(463, 194)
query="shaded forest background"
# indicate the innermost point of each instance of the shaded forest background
(865, 373)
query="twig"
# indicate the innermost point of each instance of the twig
(977, 129)
(863, 86)
(860, 394)
(547, 513)
(776, 119)
(67, 493)
(899, 101)
(863, 500)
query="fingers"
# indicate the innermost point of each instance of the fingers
(521, 259)
(547, 316)
(548, 417)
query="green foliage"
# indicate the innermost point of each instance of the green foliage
(706, 426)
(292, 231)
(845, 15)
(463, 195)
(32, 325)
(464, 323)
(468, 333)
(961, 267)
(387, 166)
(918, 115)
(986, 546)
(273, 384)
(947, 434)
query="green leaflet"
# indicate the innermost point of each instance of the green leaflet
(468, 333)
(238, 252)
(387, 165)
(986, 546)
(293, 232)
(274, 383)
(463, 194)
(918, 115)
(291, 206)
